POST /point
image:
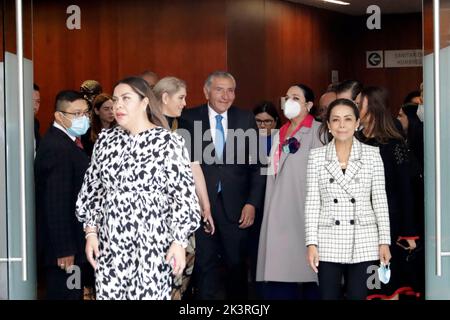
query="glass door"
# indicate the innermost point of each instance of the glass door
(17, 223)
(436, 15)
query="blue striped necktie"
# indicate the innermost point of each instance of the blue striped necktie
(220, 137)
(219, 143)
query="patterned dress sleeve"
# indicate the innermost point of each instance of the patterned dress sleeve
(184, 209)
(89, 206)
(379, 199)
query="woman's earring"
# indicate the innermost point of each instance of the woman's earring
(329, 130)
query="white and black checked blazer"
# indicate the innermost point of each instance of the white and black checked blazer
(346, 215)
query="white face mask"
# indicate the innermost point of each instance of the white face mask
(420, 112)
(291, 109)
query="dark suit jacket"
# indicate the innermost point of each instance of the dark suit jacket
(59, 170)
(37, 136)
(241, 183)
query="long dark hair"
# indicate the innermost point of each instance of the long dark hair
(381, 122)
(323, 131)
(269, 108)
(96, 123)
(141, 87)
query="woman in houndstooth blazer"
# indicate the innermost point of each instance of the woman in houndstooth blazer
(346, 210)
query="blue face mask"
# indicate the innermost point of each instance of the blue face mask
(79, 126)
(384, 273)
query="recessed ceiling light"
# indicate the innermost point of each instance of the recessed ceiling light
(342, 3)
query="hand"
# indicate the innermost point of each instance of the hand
(208, 221)
(177, 257)
(412, 244)
(385, 254)
(313, 257)
(247, 216)
(66, 262)
(91, 250)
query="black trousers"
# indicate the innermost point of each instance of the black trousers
(220, 268)
(355, 280)
(57, 287)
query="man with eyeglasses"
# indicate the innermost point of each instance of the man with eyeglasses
(59, 170)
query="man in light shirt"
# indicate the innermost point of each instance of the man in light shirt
(235, 189)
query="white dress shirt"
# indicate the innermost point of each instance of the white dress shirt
(212, 122)
(60, 127)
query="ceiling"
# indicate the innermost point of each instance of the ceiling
(359, 7)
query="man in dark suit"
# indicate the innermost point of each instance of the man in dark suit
(235, 185)
(59, 170)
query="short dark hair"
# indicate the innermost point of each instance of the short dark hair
(353, 85)
(307, 92)
(35, 87)
(411, 96)
(332, 87)
(67, 96)
(269, 108)
(335, 103)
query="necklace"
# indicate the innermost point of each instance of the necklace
(343, 164)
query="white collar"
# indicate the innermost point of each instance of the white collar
(212, 113)
(60, 127)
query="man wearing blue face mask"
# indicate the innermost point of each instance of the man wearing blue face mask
(59, 170)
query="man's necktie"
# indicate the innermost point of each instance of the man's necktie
(219, 143)
(78, 143)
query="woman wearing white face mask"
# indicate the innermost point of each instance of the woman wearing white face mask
(282, 252)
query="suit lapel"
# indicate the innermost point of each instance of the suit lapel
(353, 167)
(354, 162)
(204, 118)
(231, 124)
(333, 166)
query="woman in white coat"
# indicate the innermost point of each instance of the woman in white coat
(282, 255)
(346, 212)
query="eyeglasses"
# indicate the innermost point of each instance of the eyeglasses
(266, 122)
(78, 114)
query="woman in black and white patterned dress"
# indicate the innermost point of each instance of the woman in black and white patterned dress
(138, 201)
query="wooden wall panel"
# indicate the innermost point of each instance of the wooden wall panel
(398, 32)
(267, 45)
(246, 54)
(303, 44)
(182, 38)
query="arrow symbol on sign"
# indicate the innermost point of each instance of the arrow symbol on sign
(374, 59)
